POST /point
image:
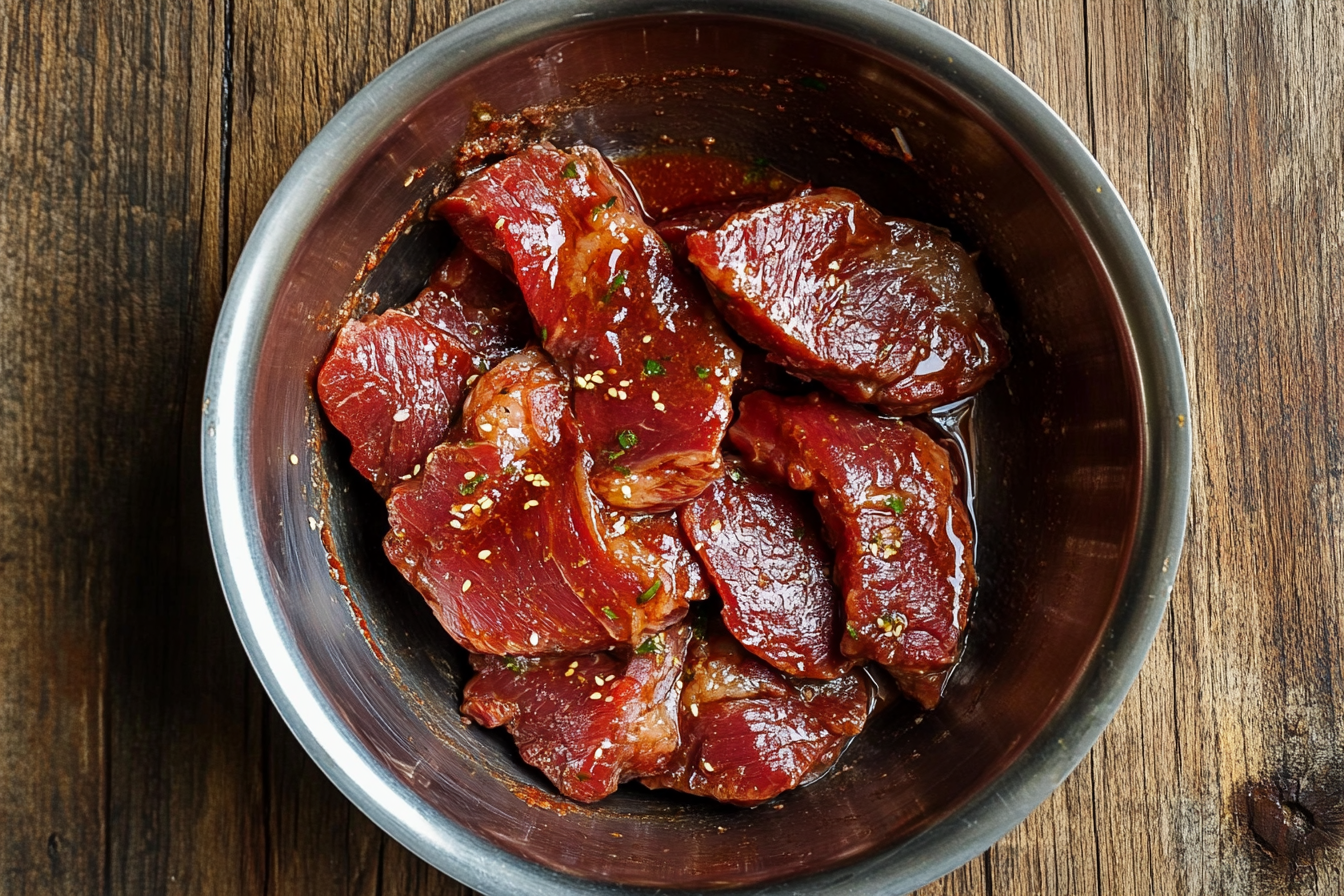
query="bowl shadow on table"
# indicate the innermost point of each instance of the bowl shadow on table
(1056, 444)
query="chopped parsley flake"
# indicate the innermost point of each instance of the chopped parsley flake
(653, 368)
(757, 172)
(702, 372)
(607, 611)
(627, 438)
(735, 474)
(650, 592)
(616, 283)
(571, 171)
(897, 504)
(511, 663)
(652, 644)
(468, 487)
(603, 207)
(853, 632)
(543, 334)
(612, 455)
(624, 471)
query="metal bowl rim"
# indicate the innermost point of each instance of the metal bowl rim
(1080, 184)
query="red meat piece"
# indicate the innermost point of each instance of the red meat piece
(392, 384)
(749, 733)
(653, 366)
(590, 722)
(476, 305)
(881, 310)
(760, 543)
(501, 535)
(902, 538)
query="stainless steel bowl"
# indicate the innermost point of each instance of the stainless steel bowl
(1083, 445)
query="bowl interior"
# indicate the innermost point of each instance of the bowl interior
(1056, 439)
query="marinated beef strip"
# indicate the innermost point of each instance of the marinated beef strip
(881, 310)
(749, 733)
(652, 365)
(902, 538)
(502, 537)
(392, 384)
(589, 722)
(476, 305)
(760, 543)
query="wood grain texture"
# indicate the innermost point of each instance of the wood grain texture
(141, 139)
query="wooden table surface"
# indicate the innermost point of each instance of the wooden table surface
(140, 140)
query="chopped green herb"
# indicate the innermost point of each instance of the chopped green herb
(650, 592)
(699, 628)
(702, 372)
(652, 644)
(853, 632)
(627, 438)
(511, 663)
(571, 171)
(759, 168)
(612, 455)
(813, 83)
(799, 532)
(896, 503)
(616, 283)
(482, 367)
(468, 487)
(603, 207)
(543, 334)
(607, 611)
(653, 368)
(624, 471)
(735, 474)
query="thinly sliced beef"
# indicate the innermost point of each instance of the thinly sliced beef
(881, 310)
(902, 538)
(652, 365)
(392, 385)
(749, 733)
(476, 305)
(589, 722)
(501, 535)
(761, 544)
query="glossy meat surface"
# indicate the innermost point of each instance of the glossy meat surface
(502, 537)
(902, 538)
(586, 744)
(749, 733)
(881, 310)
(761, 545)
(652, 366)
(392, 384)
(477, 305)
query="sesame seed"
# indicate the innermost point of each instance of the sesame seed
(623, 395)
(599, 680)
(612, 392)
(831, 281)
(455, 524)
(416, 471)
(402, 415)
(466, 586)
(834, 266)
(716, 527)
(625, 491)
(294, 459)
(595, 376)
(499, 223)
(483, 555)
(695, 710)
(699, 545)
(475, 510)
(569, 672)
(660, 406)
(528, 505)
(473, 378)
(595, 695)
(486, 503)
(534, 639)
(647, 339)
(469, 475)
(597, 754)
(404, 478)
(410, 179)
(654, 396)
(707, 766)
(574, 665)
(486, 427)
(608, 700)
(625, 384)
(612, 371)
